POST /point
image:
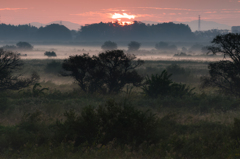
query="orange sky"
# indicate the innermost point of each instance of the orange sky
(93, 11)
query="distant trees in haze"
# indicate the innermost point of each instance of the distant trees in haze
(24, 45)
(19, 46)
(109, 45)
(133, 46)
(136, 31)
(54, 32)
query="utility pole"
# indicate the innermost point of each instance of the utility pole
(199, 23)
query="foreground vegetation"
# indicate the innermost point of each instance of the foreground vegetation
(58, 120)
(159, 117)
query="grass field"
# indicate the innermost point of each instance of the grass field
(65, 122)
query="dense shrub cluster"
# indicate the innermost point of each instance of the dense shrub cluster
(119, 122)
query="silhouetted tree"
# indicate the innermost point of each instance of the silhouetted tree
(108, 72)
(225, 74)
(24, 45)
(9, 62)
(133, 46)
(109, 45)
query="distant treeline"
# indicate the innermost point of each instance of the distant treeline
(137, 31)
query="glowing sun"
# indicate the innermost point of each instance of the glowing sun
(123, 16)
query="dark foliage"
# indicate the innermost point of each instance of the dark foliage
(50, 54)
(135, 31)
(120, 123)
(108, 72)
(24, 45)
(162, 85)
(54, 32)
(165, 46)
(109, 45)
(19, 32)
(9, 62)
(9, 47)
(225, 74)
(134, 46)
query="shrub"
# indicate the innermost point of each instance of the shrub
(24, 45)
(120, 123)
(133, 46)
(109, 45)
(50, 54)
(177, 70)
(162, 85)
(157, 84)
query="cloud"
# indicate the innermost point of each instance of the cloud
(156, 8)
(1, 9)
(86, 14)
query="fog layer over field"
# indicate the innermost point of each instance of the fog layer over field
(144, 53)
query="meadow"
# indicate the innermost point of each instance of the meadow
(55, 119)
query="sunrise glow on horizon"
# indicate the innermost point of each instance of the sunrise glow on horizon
(87, 12)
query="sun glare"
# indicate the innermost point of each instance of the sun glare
(124, 16)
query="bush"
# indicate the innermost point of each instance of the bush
(109, 45)
(162, 85)
(157, 84)
(120, 123)
(108, 72)
(133, 46)
(24, 45)
(177, 70)
(50, 54)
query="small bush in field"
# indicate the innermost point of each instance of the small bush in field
(162, 85)
(50, 54)
(110, 122)
(158, 84)
(177, 70)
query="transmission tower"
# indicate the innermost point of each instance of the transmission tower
(199, 23)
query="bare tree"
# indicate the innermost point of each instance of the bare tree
(10, 62)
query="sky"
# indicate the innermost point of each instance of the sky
(94, 11)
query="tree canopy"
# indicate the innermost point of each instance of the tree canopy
(225, 74)
(108, 72)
